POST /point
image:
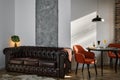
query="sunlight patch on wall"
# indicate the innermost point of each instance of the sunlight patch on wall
(83, 31)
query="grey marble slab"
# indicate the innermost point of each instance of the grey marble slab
(47, 23)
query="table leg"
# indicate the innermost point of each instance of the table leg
(116, 61)
(102, 63)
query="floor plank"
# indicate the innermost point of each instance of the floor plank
(108, 74)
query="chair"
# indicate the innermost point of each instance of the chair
(112, 55)
(84, 57)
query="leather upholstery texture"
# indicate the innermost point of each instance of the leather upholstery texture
(43, 61)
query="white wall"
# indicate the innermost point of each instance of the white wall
(25, 21)
(6, 26)
(64, 38)
(81, 8)
(83, 30)
(105, 30)
(18, 17)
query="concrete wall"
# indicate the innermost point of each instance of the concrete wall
(6, 26)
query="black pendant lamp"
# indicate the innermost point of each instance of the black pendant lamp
(97, 18)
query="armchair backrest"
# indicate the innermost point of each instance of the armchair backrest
(78, 49)
(116, 45)
(78, 52)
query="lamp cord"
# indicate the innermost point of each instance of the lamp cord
(97, 7)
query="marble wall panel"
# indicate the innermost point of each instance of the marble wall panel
(47, 23)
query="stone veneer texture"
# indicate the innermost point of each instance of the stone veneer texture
(47, 23)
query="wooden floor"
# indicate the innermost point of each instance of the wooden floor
(108, 74)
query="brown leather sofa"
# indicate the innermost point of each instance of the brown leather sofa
(43, 61)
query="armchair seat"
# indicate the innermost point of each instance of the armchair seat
(112, 55)
(89, 61)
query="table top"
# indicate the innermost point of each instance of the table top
(103, 49)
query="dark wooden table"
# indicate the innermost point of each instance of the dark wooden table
(102, 50)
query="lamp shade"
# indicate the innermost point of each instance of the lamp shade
(97, 19)
(15, 39)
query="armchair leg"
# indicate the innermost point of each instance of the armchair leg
(88, 70)
(82, 68)
(111, 62)
(76, 68)
(119, 62)
(95, 68)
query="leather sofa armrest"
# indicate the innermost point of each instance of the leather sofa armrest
(61, 64)
(10, 52)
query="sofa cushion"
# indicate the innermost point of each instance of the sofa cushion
(16, 61)
(25, 61)
(31, 61)
(47, 63)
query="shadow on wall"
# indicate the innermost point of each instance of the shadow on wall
(83, 31)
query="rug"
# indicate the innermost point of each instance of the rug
(24, 77)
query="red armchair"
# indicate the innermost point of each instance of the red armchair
(111, 54)
(84, 57)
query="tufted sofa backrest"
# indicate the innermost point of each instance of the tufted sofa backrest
(37, 52)
(41, 52)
